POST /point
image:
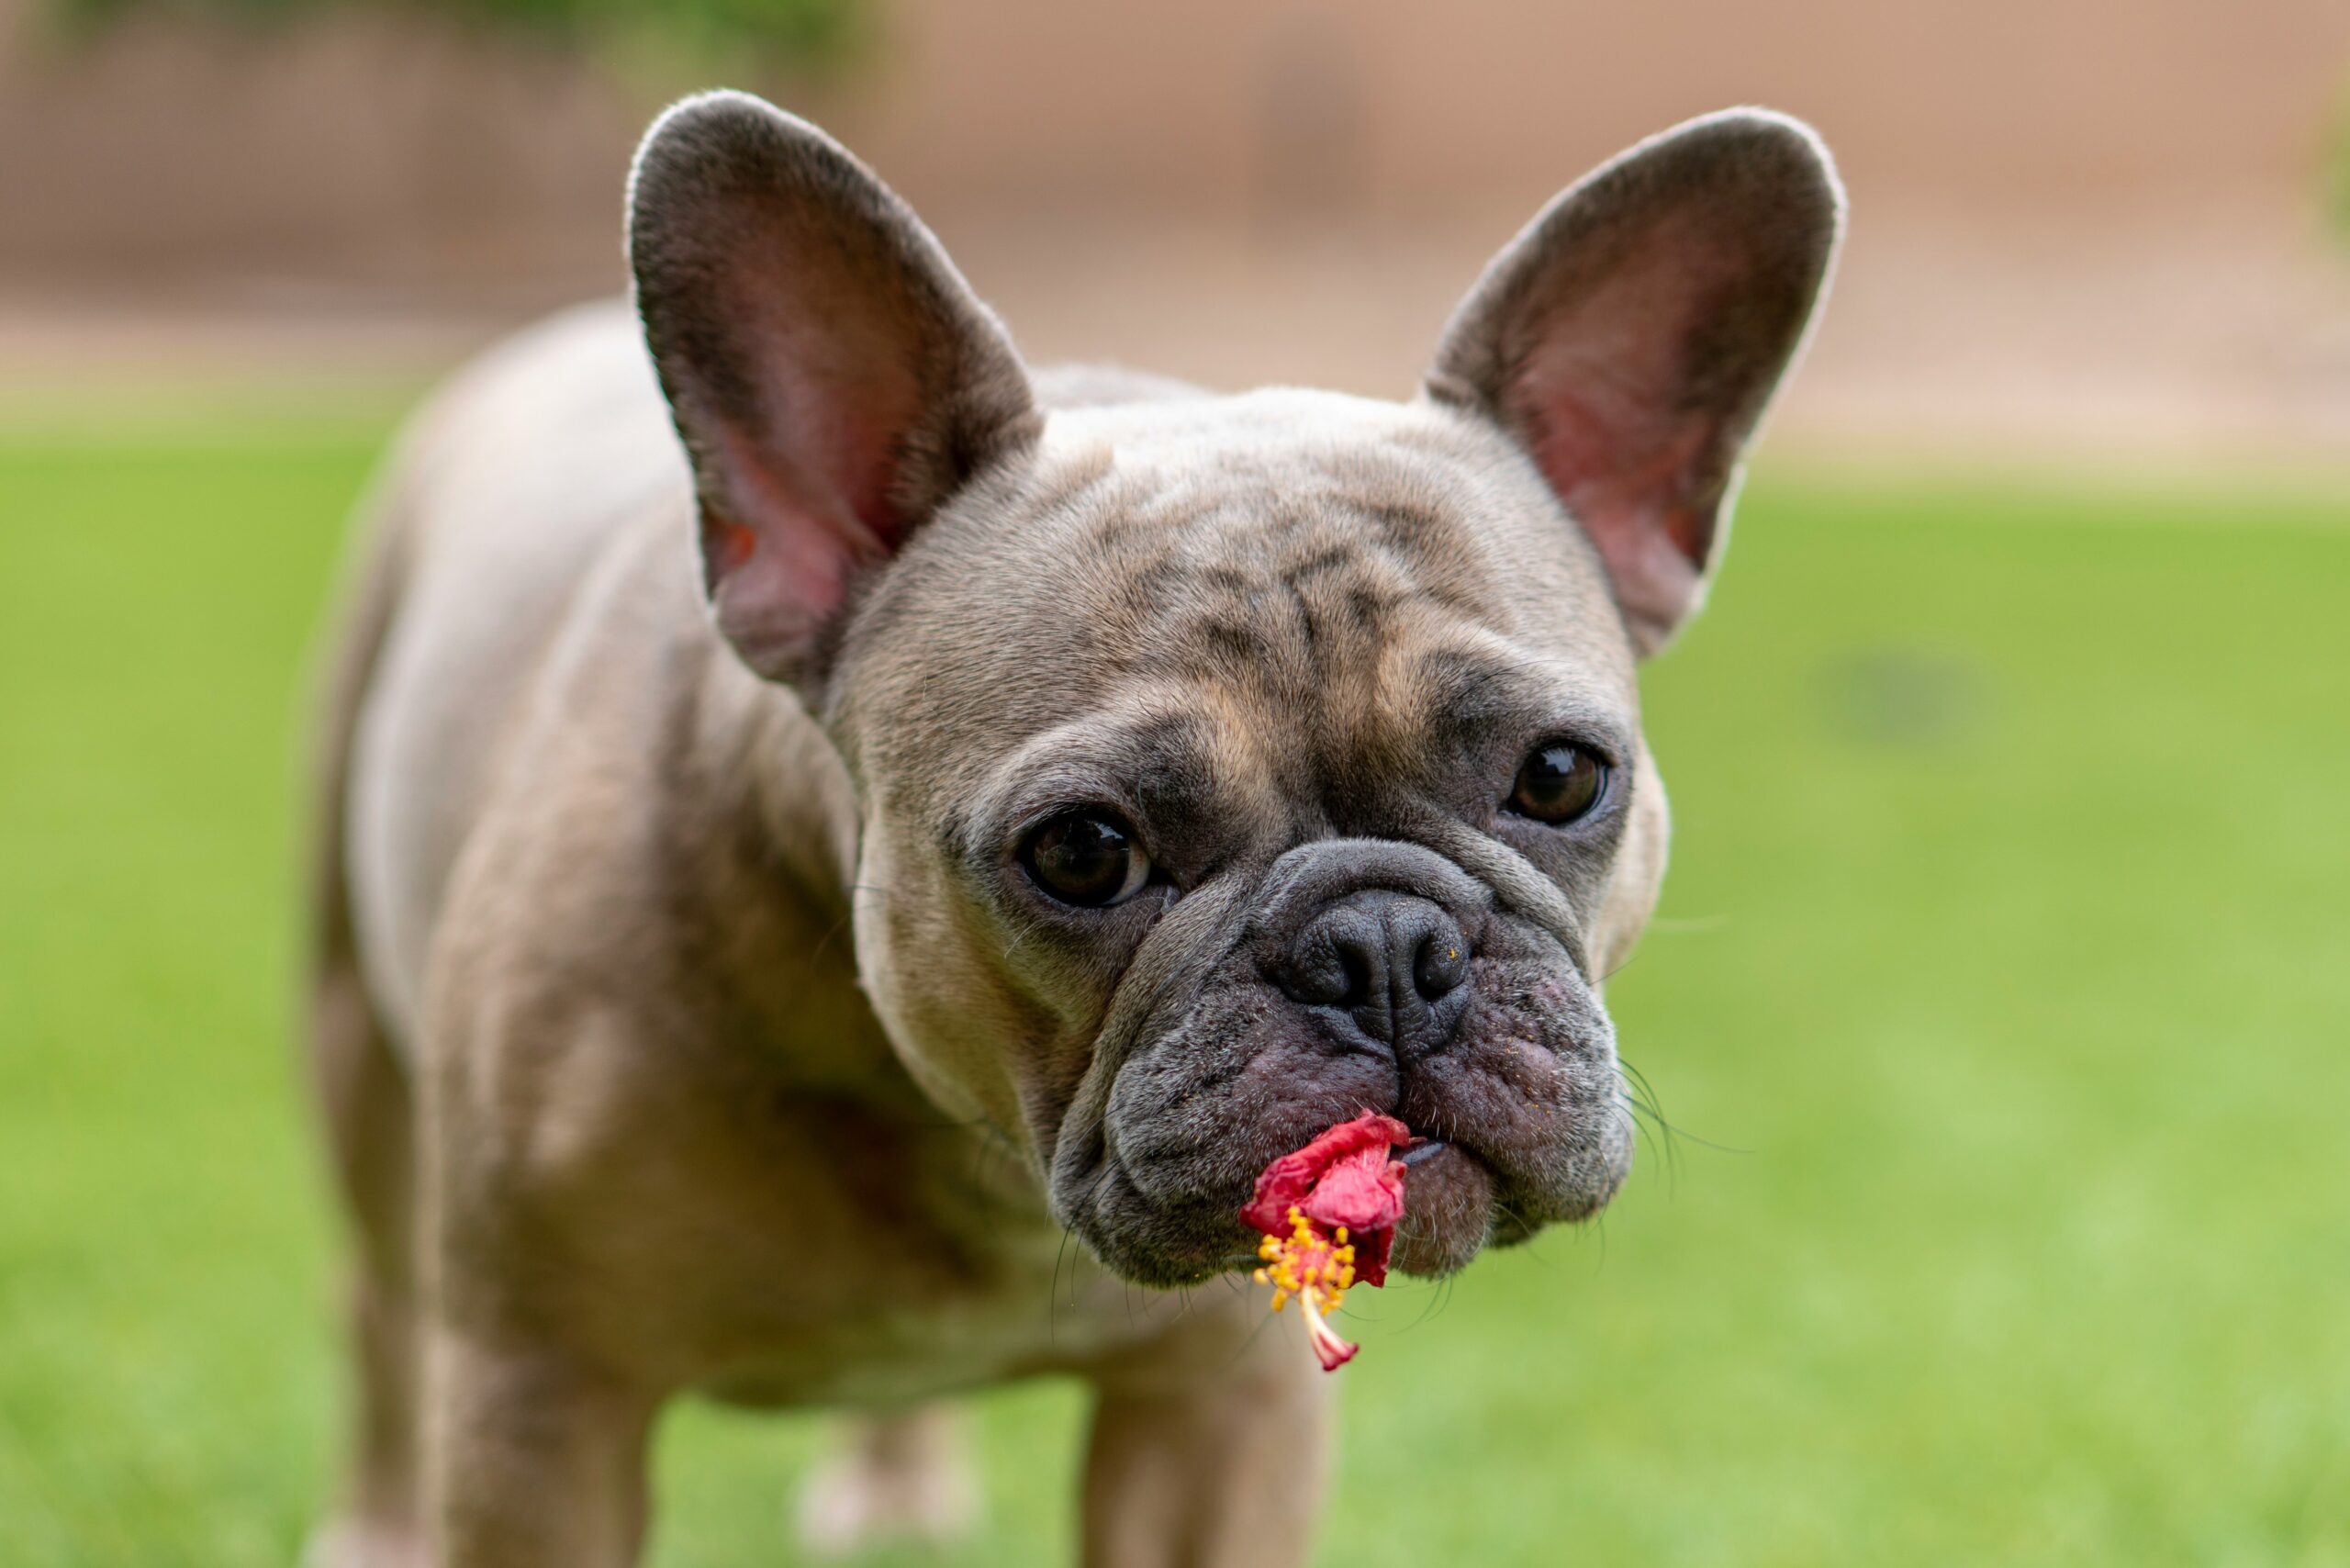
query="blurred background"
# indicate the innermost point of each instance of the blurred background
(1998, 1005)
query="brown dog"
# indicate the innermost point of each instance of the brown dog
(780, 889)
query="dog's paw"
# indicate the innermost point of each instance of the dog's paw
(903, 1480)
(355, 1542)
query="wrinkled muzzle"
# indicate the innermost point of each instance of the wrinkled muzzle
(1358, 975)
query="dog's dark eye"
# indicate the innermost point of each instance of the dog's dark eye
(1085, 858)
(1558, 784)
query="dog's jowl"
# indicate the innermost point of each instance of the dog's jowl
(832, 830)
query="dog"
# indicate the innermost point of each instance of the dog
(844, 855)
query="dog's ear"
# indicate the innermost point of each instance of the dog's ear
(832, 376)
(1630, 337)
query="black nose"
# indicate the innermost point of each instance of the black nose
(1392, 964)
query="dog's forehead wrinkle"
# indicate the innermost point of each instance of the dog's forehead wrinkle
(1167, 528)
(1131, 733)
(1294, 610)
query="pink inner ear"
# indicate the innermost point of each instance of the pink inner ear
(808, 494)
(1632, 495)
(837, 399)
(807, 506)
(1601, 403)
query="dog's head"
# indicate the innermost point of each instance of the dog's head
(1231, 765)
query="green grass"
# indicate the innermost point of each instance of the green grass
(2005, 956)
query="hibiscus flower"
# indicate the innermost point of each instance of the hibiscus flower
(1328, 1212)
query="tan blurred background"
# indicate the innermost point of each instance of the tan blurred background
(2079, 227)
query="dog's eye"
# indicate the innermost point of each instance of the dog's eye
(1085, 858)
(1559, 784)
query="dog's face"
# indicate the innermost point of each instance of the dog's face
(1233, 765)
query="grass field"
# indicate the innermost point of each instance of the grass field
(2004, 973)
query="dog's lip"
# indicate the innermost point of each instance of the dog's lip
(1422, 1150)
(1449, 1200)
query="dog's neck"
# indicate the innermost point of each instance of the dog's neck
(763, 826)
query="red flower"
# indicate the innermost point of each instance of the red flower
(1328, 1212)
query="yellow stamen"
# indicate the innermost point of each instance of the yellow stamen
(1317, 1270)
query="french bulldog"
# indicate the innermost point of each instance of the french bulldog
(842, 855)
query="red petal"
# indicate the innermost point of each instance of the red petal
(1371, 1248)
(1363, 1192)
(1284, 1185)
(1367, 1131)
(1344, 1177)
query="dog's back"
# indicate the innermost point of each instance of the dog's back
(495, 507)
(485, 521)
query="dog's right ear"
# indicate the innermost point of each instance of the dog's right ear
(832, 376)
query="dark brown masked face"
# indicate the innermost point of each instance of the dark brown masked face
(1230, 767)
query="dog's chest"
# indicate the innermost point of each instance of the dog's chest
(1047, 1308)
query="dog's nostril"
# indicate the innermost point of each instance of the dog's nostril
(1329, 965)
(1442, 962)
(1387, 959)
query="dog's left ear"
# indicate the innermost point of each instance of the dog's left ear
(1631, 336)
(834, 378)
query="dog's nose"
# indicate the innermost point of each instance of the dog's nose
(1390, 963)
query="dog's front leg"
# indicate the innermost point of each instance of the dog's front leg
(532, 1460)
(1211, 1455)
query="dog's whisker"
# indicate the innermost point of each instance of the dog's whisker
(825, 941)
(1264, 1322)
(1642, 1114)
(1428, 1308)
(1053, 1293)
(1649, 1103)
